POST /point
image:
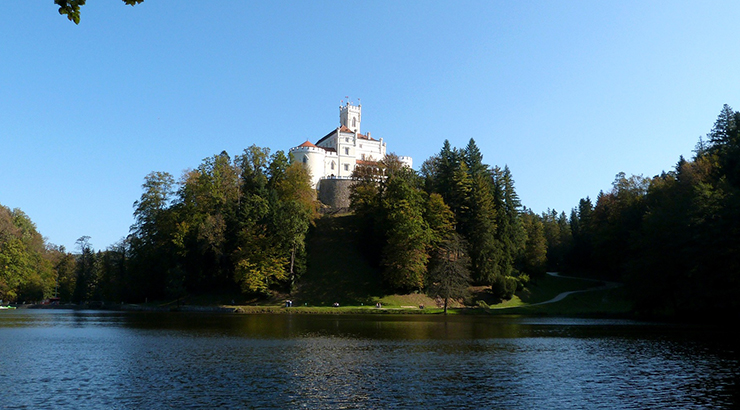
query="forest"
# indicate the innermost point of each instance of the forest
(240, 225)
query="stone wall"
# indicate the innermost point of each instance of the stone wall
(335, 192)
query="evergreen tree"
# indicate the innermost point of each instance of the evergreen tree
(510, 233)
(534, 257)
(474, 159)
(479, 228)
(449, 276)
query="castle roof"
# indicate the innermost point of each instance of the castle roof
(343, 128)
(307, 144)
(365, 162)
(326, 136)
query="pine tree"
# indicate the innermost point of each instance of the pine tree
(449, 276)
(474, 159)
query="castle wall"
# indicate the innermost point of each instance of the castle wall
(335, 192)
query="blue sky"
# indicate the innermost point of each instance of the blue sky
(566, 93)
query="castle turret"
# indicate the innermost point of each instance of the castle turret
(312, 157)
(350, 116)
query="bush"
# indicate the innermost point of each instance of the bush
(504, 287)
(511, 285)
(522, 281)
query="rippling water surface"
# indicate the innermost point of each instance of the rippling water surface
(70, 359)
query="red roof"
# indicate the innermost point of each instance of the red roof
(364, 162)
(344, 128)
(307, 144)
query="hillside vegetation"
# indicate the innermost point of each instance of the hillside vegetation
(246, 229)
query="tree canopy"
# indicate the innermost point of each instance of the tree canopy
(412, 216)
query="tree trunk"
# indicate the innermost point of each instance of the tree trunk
(445, 306)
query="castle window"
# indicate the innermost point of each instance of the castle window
(346, 151)
(305, 160)
(362, 157)
(332, 165)
(354, 122)
(346, 167)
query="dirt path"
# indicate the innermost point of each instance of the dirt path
(561, 296)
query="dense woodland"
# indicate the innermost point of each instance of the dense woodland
(240, 225)
(455, 206)
(229, 225)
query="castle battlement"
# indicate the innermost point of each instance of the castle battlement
(307, 149)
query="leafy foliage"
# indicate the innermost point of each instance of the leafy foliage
(26, 270)
(71, 8)
(232, 222)
(395, 211)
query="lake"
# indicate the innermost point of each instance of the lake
(111, 360)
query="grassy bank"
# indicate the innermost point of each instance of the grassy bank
(606, 302)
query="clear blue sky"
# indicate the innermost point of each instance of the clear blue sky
(566, 93)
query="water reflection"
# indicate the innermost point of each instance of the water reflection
(145, 360)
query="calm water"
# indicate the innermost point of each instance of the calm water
(101, 360)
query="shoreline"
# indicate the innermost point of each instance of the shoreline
(329, 310)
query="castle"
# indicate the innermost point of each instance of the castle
(333, 158)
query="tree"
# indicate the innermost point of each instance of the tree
(449, 276)
(724, 143)
(66, 279)
(406, 252)
(581, 220)
(86, 274)
(71, 8)
(156, 199)
(474, 159)
(151, 242)
(534, 256)
(393, 211)
(26, 273)
(510, 233)
(479, 229)
(558, 237)
(439, 218)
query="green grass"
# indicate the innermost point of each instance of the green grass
(546, 287)
(608, 302)
(330, 310)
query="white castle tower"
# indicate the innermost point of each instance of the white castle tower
(350, 116)
(338, 153)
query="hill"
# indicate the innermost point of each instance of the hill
(337, 271)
